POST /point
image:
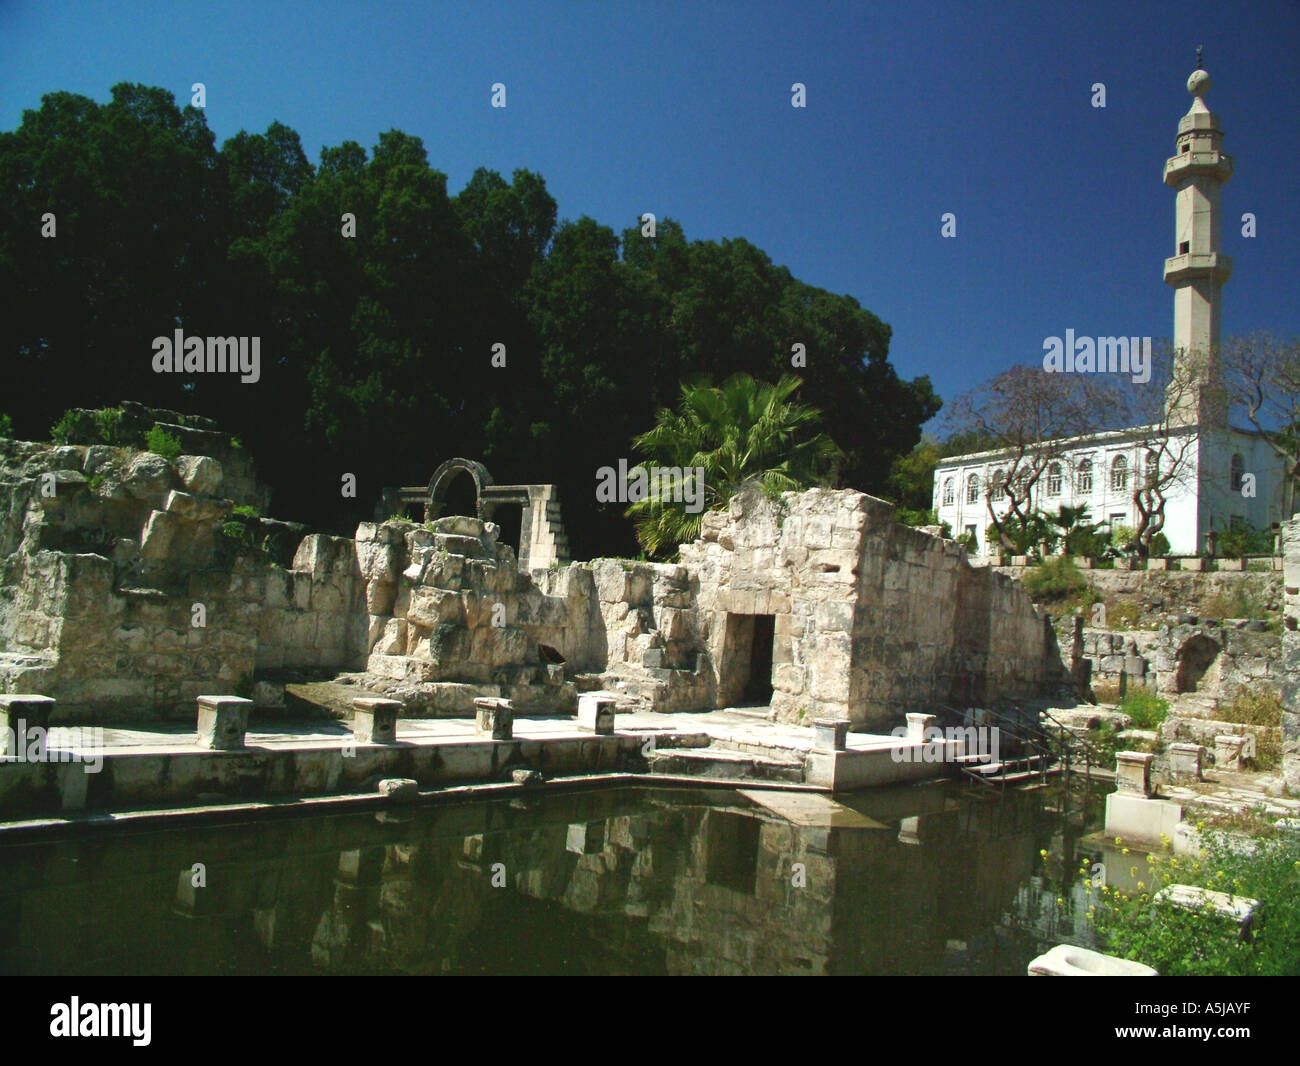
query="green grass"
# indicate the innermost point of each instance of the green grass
(1146, 709)
(1258, 707)
(1180, 943)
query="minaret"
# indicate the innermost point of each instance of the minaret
(1197, 272)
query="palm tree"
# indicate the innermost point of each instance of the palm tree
(1077, 532)
(741, 432)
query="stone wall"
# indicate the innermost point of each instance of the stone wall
(451, 618)
(872, 619)
(1233, 654)
(1164, 594)
(1291, 656)
(123, 598)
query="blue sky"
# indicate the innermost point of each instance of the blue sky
(683, 109)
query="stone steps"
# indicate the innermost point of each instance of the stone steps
(717, 762)
(1203, 730)
(1194, 706)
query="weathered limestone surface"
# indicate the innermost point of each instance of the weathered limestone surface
(1164, 591)
(1291, 655)
(451, 618)
(1235, 652)
(872, 619)
(121, 597)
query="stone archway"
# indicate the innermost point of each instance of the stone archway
(1197, 664)
(445, 475)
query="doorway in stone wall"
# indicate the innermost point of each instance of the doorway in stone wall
(748, 643)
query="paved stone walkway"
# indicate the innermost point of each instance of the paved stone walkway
(737, 726)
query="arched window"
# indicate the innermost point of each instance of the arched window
(947, 492)
(1119, 474)
(1054, 479)
(999, 485)
(1085, 478)
(1238, 471)
(1153, 470)
(973, 488)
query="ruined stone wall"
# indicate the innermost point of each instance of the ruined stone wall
(1243, 655)
(1291, 656)
(872, 619)
(123, 599)
(450, 617)
(1160, 593)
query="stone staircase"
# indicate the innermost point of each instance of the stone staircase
(1192, 720)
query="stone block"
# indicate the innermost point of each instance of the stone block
(1132, 816)
(19, 715)
(399, 789)
(1185, 761)
(159, 531)
(1241, 910)
(917, 724)
(190, 508)
(1084, 562)
(430, 607)
(223, 721)
(1157, 563)
(374, 720)
(596, 712)
(1191, 564)
(1133, 772)
(1227, 565)
(494, 717)
(1066, 960)
(200, 474)
(1227, 752)
(830, 734)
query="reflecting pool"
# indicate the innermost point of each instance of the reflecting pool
(927, 879)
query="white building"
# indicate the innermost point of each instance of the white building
(1225, 475)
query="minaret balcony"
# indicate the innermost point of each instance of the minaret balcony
(1194, 265)
(1181, 168)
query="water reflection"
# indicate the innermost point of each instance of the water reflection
(926, 879)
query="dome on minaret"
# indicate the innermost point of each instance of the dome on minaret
(1198, 82)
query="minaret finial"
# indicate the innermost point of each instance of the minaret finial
(1199, 49)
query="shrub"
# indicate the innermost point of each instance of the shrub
(160, 442)
(75, 427)
(1159, 545)
(1258, 707)
(1236, 602)
(908, 517)
(6, 426)
(236, 443)
(108, 424)
(1122, 538)
(1244, 540)
(246, 511)
(1054, 580)
(1145, 708)
(1181, 943)
(238, 532)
